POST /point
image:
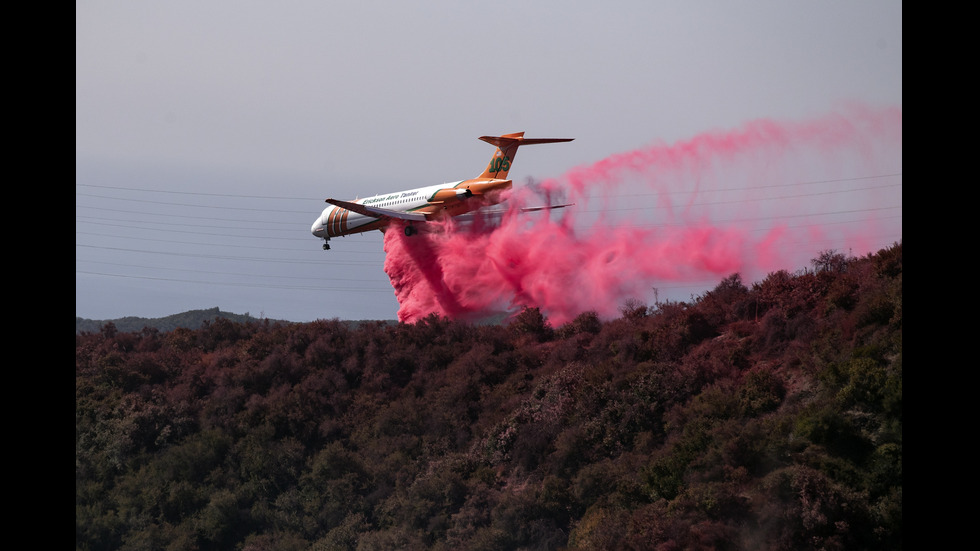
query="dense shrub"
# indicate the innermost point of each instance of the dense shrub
(767, 416)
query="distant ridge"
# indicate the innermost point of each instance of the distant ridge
(192, 319)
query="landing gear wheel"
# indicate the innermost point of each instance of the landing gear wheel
(326, 246)
(409, 231)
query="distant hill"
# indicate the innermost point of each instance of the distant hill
(192, 319)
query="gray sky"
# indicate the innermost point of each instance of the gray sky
(208, 134)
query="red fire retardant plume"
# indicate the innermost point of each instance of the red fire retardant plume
(692, 212)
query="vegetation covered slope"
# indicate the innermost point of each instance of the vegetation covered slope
(762, 417)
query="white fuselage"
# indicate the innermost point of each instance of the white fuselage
(335, 221)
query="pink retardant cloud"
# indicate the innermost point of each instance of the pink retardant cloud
(464, 274)
(707, 197)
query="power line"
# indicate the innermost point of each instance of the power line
(237, 196)
(223, 257)
(200, 193)
(176, 223)
(222, 207)
(236, 284)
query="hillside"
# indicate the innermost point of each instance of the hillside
(766, 416)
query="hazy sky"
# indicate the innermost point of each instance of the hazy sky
(208, 134)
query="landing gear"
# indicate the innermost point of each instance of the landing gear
(326, 245)
(410, 230)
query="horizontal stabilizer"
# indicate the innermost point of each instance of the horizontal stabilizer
(546, 207)
(504, 141)
(375, 212)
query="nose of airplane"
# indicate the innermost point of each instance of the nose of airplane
(319, 227)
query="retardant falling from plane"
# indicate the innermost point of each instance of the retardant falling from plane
(765, 197)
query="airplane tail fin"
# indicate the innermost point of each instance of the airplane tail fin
(507, 146)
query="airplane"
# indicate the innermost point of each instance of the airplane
(429, 203)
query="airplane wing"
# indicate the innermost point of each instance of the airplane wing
(528, 209)
(375, 212)
(498, 211)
